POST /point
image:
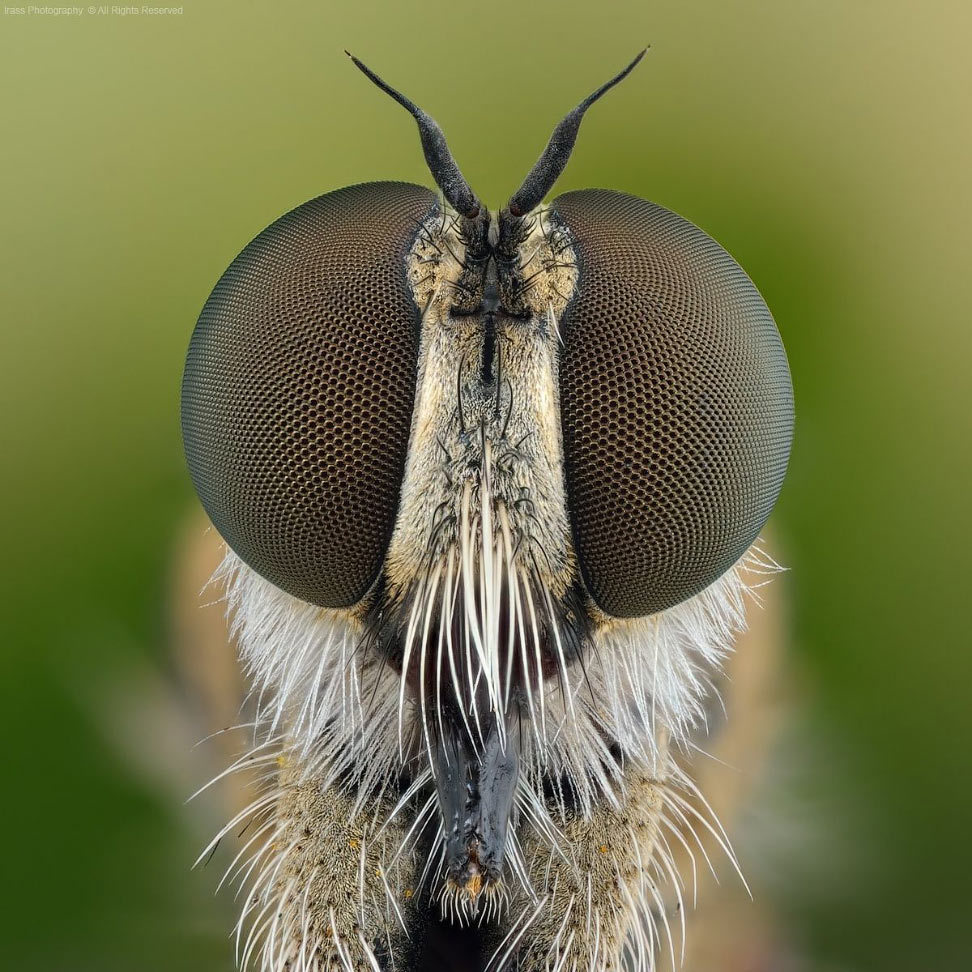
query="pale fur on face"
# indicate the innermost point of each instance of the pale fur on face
(327, 712)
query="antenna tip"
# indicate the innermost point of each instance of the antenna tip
(358, 64)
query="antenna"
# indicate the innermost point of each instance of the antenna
(437, 155)
(548, 167)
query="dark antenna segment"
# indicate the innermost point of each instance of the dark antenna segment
(551, 163)
(440, 161)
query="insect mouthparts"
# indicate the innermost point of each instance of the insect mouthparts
(476, 783)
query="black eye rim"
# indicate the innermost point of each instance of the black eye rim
(206, 434)
(774, 384)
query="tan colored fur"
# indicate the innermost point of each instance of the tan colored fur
(342, 884)
(444, 450)
(590, 905)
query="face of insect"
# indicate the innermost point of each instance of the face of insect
(485, 478)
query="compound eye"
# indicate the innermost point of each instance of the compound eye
(676, 404)
(298, 391)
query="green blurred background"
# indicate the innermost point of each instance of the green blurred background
(825, 144)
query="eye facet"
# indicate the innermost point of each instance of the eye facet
(676, 404)
(298, 391)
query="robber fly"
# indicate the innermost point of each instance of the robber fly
(490, 483)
